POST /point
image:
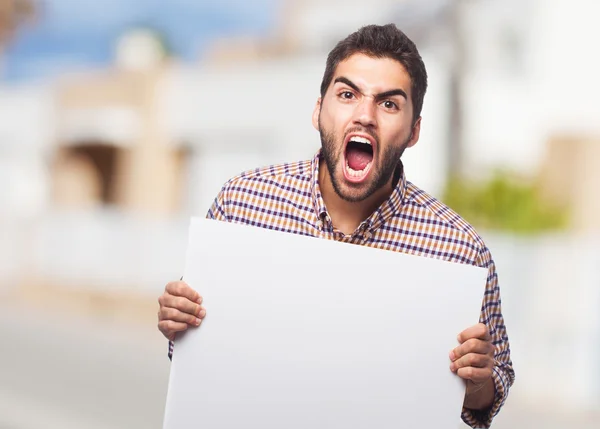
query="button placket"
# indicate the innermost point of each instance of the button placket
(324, 226)
(363, 232)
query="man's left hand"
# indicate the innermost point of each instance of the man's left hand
(473, 360)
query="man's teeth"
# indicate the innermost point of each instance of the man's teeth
(360, 140)
(354, 173)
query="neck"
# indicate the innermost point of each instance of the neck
(346, 215)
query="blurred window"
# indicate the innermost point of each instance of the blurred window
(85, 175)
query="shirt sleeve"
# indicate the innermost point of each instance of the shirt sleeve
(503, 374)
(215, 212)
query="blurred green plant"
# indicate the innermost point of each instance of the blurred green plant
(505, 203)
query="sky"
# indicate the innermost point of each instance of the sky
(72, 34)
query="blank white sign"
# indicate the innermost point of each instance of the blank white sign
(309, 333)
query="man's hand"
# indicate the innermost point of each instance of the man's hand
(473, 361)
(180, 307)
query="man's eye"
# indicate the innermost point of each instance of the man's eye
(390, 105)
(347, 95)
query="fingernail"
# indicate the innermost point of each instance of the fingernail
(452, 367)
(198, 322)
(202, 313)
(452, 356)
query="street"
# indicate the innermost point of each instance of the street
(61, 373)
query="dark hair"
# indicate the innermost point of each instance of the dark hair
(382, 41)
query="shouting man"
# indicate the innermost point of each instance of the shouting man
(355, 190)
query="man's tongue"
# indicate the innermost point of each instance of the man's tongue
(358, 159)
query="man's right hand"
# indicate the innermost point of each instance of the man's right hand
(180, 307)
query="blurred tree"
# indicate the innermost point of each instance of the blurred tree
(13, 15)
(507, 203)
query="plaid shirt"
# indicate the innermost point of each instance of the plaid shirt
(287, 198)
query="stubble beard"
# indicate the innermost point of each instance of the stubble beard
(383, 174)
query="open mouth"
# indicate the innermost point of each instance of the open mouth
(359, 158)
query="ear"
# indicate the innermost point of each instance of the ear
(416, 132)
(316, 113)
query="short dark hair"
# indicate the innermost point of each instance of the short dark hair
(382, 41)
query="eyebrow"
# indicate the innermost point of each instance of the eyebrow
(385, 94)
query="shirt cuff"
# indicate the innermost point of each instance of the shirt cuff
(483, 418)
(171, 350)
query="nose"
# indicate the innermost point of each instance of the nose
(364, 113)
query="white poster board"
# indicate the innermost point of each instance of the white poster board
(305, 333)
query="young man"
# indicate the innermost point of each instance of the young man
(354, 190)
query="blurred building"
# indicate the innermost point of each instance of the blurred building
(154, 136)
(151, 135)
(111, 146)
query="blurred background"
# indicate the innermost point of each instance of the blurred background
(121, 119)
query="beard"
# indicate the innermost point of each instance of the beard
(383, 167)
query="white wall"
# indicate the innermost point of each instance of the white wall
(273, 98)
(25, 133)
(565, 65)
(516, 98)
(550, 294)
(318, 24)
(425, 163)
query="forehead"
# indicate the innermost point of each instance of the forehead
(374, 74)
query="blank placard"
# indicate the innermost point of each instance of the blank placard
(305, 333)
